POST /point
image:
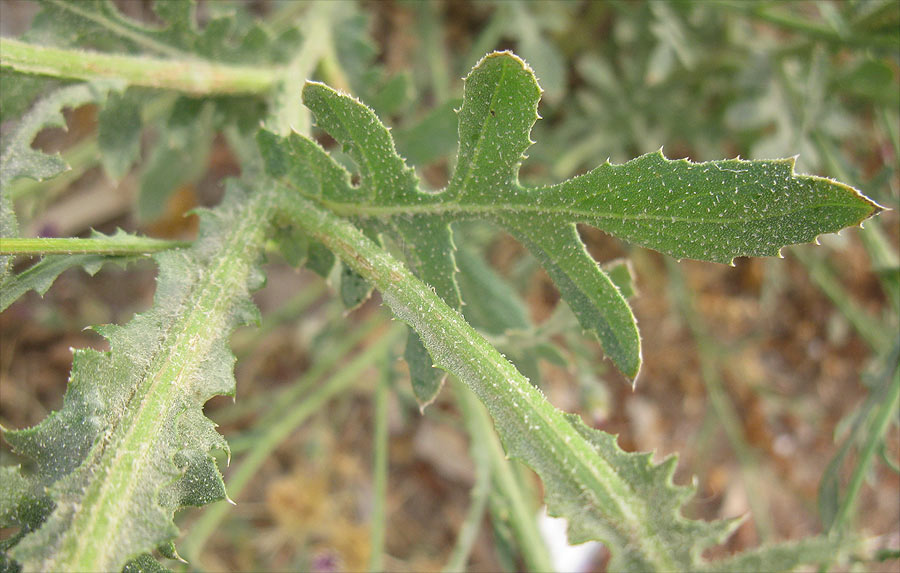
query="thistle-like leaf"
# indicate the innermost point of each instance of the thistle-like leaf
(41, 275)
(620, 498)
(711, 211)
(185, 136)
(130, 444)
(606, 493)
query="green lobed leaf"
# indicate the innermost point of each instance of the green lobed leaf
(130, 444)
(785, 556)
(41, 275)
(712, 211)
(620, 498)
(483, 171)
(606, 493)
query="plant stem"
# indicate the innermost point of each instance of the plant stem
(887, 408)
(481, 457)
(380, 468)
(193, 76)
(522, 519)
(568, 462)
(121, 245)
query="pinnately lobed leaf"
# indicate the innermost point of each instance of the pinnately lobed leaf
(607, 494)
(131, 444)
(620, 498)
(712, 211)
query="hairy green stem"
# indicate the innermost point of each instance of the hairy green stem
(193, 76)
(554, 448)
(124, 245)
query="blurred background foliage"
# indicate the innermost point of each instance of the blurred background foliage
(775, 381)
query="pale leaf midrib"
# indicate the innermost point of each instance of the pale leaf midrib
(451, 208)
(153, 393)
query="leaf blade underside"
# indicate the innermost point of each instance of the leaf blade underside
(713, 211)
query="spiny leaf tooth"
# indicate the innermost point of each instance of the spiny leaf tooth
(170, 551)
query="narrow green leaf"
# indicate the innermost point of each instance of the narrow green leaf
(712, 211)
